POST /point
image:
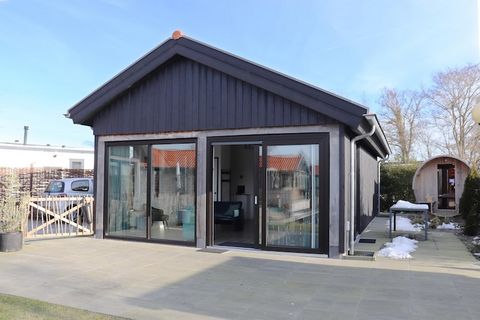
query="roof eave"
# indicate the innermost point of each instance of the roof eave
(383, 147)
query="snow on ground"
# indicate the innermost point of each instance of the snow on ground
(404, 224)
(449, 226)
(399, 248)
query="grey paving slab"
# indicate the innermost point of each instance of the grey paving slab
(153, 281)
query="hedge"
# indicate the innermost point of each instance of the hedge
(470, 203)
(396, 183)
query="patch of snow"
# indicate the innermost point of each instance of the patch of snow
(449, 226)
(404, 224)
(402, 204)
(399, 248)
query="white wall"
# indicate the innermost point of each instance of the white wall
(242, 174)
(225, 166)
(20, 156)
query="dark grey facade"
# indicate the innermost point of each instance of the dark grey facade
(186, 90)
(185, 95)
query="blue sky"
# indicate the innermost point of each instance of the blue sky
(54, 53)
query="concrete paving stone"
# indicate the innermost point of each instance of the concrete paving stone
(309, 314)
(164, 314)
(266, 311)
(435, 296)
(339, 292)
(236, 301)
(386, 274)
(219, 311)
(312, 278)
(380, 309)
(469, 292)
(333, 279)
(388, 294)
(471, 304)
(439, 311)
(379, 284)
(382, 316)
(293, 285)
(334, 305)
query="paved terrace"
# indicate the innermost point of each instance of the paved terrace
(152, 281)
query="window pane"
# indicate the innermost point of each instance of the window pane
(55, 186)
(292, 196)
(127, 194)
(80, 185)
(173, 192)
(76, 164)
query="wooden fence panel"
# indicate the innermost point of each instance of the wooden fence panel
(50, 217)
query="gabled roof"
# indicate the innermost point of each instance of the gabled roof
(319, 100)
(311, 97)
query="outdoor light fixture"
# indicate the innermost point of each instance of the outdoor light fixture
(476, 113)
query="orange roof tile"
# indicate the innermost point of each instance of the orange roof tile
(170, 158)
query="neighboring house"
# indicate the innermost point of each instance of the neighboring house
(278, 146)
(17, 155)
(36, 165)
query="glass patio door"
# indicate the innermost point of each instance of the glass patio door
(288, 183)
(235, 193)
(292, 194)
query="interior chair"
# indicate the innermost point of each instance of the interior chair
(158, 215)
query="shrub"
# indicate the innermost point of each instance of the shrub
(471, 193)
(472, 222)
(469, 205)
(13, 205)
(396, 183)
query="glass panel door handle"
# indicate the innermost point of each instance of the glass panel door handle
(255, 200)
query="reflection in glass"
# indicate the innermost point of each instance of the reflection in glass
(172, 192)
(292, 196)
(127, 196)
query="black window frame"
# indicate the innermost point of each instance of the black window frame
(264, 140)
(149, 144)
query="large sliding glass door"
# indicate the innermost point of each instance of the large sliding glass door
(292, 196)
(127, 196)
(172, 192)
(235, 179)
(150, 192)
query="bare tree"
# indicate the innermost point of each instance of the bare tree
(452, 97)
(402, 114)
(428, 139)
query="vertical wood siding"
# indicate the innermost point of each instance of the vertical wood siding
(367, 188)
(184, 95)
